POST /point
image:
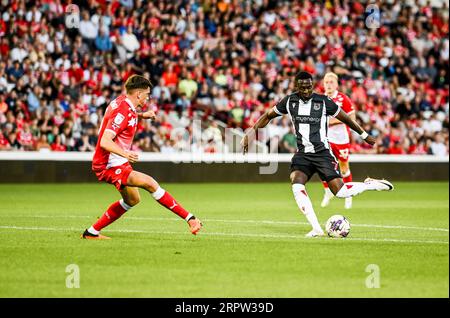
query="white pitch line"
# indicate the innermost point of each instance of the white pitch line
(275, 236)
(400, 227)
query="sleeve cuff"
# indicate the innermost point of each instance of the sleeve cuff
(337, 112)
(111, 131)
(275, 109)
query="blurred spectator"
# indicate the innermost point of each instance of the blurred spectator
(4, 142)
(57, 145)
(188, 86)
(438, 147)
(88, 29)
(42, 144)
(288, 143)
(103, 42)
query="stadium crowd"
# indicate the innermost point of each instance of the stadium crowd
(222, 61)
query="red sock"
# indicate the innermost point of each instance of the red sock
(114, 212)
(165, 199)
(348, 178)
(325, 184)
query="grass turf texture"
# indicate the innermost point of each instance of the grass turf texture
(252, 243)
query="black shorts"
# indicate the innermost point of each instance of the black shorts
(321, 162)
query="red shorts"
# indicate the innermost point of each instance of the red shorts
(341, 152)
(117, 176)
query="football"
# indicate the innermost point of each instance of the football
(337, 226)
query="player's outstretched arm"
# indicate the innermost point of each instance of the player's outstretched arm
(343, 117)
(260, 123)
(149, 114)
(335, 121)
(107, 143)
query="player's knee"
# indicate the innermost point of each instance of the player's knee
(151, 185)
(296, 181)
(345, 168)
(296, 178)
(133, 201)
(335, 185)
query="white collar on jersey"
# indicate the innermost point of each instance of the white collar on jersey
(130, 103)
(335, 94)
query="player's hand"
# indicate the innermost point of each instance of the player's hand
(149, 114)
(132, 156)
(370, 140)
(244, 144)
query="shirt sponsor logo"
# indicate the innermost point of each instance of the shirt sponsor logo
(309, 120)
(119, 119)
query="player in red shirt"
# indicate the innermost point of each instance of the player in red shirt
(112, 158)
(338, 135)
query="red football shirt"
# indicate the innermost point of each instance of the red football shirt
(340, 133)
(120, 118)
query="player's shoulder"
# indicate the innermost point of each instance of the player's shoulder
(343, 95)
(291, 96)
(346, 102)
(319, 97)
(283, 100)
(120, 104)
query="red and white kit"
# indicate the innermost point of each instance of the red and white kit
(339, 135)
(121, 119)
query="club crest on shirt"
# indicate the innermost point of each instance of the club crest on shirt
(316, 105)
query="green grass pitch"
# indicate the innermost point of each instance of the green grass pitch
(252, 244)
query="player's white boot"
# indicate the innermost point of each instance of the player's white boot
(315, 233)
(348, 203)
(379, 185)
(328, 195)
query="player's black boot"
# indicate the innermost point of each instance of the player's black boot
(89, 236)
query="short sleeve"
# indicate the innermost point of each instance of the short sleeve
(331, 107)
(118, 120)
(347, 105)
(281, 107)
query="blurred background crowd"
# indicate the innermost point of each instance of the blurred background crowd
(223, 62)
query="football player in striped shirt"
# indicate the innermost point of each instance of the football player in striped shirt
(309, 113)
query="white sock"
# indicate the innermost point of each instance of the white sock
(93, 231)
(305, 205)
(158, 194)
(351, 189)
(125, 206)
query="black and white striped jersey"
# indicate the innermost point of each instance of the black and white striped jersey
(310, 120)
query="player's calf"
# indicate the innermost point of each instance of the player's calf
(115, 211)
(138, 179)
